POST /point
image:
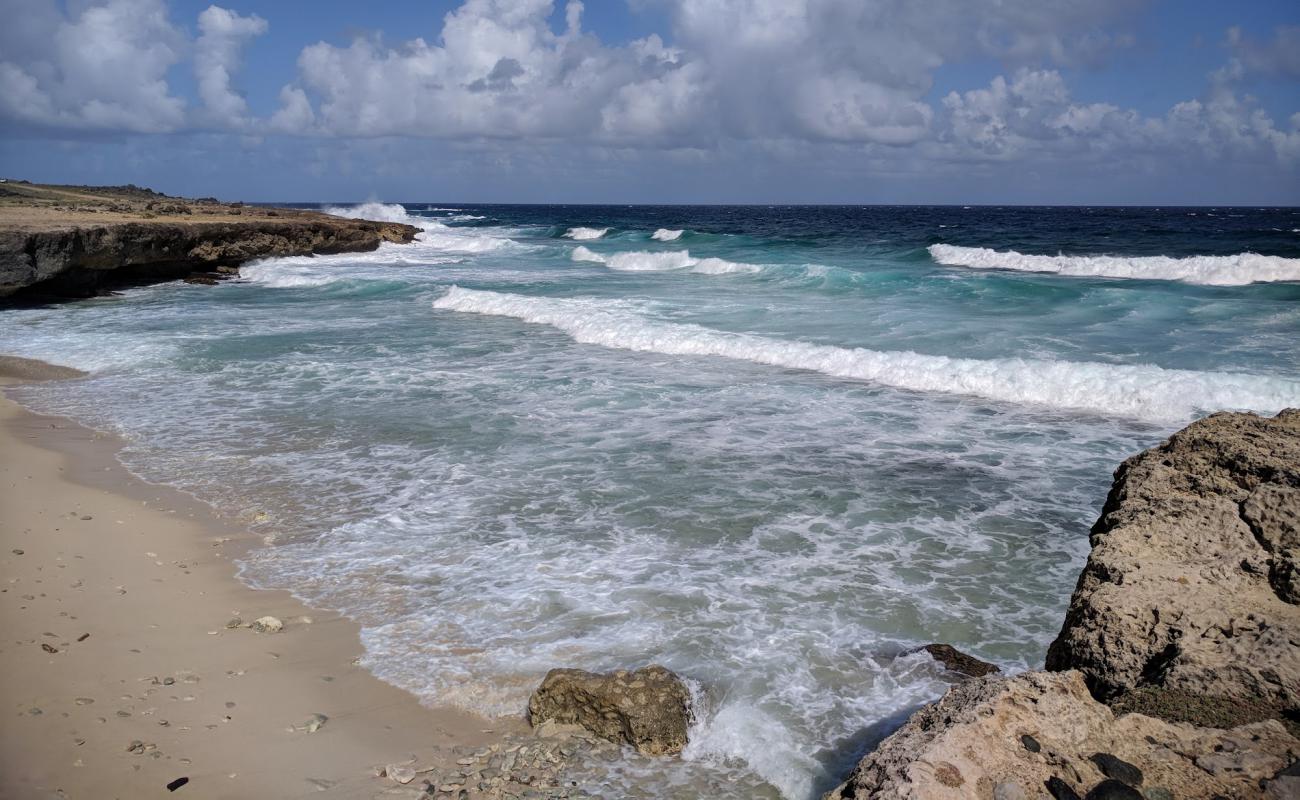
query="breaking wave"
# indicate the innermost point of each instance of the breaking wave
(666, 235)
(1141, 391)
(1236, 270)
(644, 261)
(583, 234)
(379, 212)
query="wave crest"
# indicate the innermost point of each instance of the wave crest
(1142, 391)
(666, 235)
(1237, 270)
(667, 261)
(584, 234)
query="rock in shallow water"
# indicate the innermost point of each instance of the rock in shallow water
(957, 661)
(649, 709)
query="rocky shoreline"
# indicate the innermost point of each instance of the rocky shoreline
(1176, 673)
(59, 242)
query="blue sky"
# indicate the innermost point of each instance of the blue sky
(855, 101)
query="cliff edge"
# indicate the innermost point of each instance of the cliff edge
(74, 241)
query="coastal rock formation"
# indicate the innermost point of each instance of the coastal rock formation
(60, 242)
(1191, 586)
(957, 661)
(1177, 671)
(1042, 733)
(649, 709)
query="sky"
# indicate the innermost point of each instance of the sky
(659, 101)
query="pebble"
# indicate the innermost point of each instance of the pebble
(1111, 789)
(1009, 791)
(1117, 768)
(17, 552)
(1031, 744)
(1061, 790)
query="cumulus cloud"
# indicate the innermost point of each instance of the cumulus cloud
(218, 56)
(103, 68)
(784, 76)
(1032, 115)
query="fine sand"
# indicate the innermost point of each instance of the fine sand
(115, 596)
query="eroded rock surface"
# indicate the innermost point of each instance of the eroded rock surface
(649, 709)
(1012, 736)
(1191, 585)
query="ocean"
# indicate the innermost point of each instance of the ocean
(772, 448)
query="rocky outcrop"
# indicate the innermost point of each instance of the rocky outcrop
(1042, 734)
(1191, 586)
(649, 709)
(79, 260)
(1177, 672)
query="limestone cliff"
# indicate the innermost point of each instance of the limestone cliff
(73, 241)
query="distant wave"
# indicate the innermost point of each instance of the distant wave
(1142, 391)
(1237, 270)
(644, 261)
(583, 234)
(666, 235)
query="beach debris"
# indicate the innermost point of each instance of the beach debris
(648, 709)
(234, 622)
(312, 725)
(83, 637)
(267, 625)
(178, 783)
(400, 773)
(18, 551)
(48, 648)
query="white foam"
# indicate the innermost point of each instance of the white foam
(379, 212)
(666, 235)
(1237, 270)
(585, 233)
(666, 261)
(1142, 391)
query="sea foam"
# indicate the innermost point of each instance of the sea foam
(666, 235)
(667, 261)
(1236, 270)
(583, 234)
(1141, 391)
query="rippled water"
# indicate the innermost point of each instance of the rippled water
(771, 448)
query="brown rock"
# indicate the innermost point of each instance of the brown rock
(969, 743)
(648, 709)
(957, 661)
(1191, 585)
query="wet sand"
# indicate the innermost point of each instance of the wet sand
(120, 674)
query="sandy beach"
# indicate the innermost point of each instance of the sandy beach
(121, 673)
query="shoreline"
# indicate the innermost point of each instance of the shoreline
(149, 573)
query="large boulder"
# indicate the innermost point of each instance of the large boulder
(1192, 587)
(1042, 732)
(649, 709)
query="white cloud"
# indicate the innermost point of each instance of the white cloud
(103, 68)
(223, 35)
(781, 76)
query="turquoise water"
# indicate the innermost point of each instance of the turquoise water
(773, 451)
